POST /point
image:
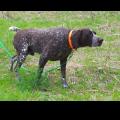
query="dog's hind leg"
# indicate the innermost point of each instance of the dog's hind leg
(21, 58)
(22, 54)
(12, 61)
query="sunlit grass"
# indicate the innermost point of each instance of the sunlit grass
(92, 73)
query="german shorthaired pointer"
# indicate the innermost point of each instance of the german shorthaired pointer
(53, 44)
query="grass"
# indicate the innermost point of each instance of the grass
(95, 71)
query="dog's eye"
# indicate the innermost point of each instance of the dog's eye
(91, 34)
(94, 32)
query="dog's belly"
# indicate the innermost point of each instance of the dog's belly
(58, 56)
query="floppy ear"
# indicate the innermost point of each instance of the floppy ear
(76, 35)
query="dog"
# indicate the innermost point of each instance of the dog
(53, 44)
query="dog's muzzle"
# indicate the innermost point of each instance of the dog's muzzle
(96, 41)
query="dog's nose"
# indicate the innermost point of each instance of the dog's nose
(100, 40)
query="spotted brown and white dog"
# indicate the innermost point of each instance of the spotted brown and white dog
(53, 44)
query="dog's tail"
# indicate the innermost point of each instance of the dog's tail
(14, 28)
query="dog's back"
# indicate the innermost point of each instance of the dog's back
(38, 39)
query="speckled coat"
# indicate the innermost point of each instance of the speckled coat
(53, 45)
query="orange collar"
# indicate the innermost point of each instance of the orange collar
(70, 40)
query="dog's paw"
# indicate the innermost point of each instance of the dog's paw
(65, 85)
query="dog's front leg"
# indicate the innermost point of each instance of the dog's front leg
(63, 72)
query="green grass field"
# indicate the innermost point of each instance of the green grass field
(95, 71)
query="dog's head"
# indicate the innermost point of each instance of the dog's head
(88, 37)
